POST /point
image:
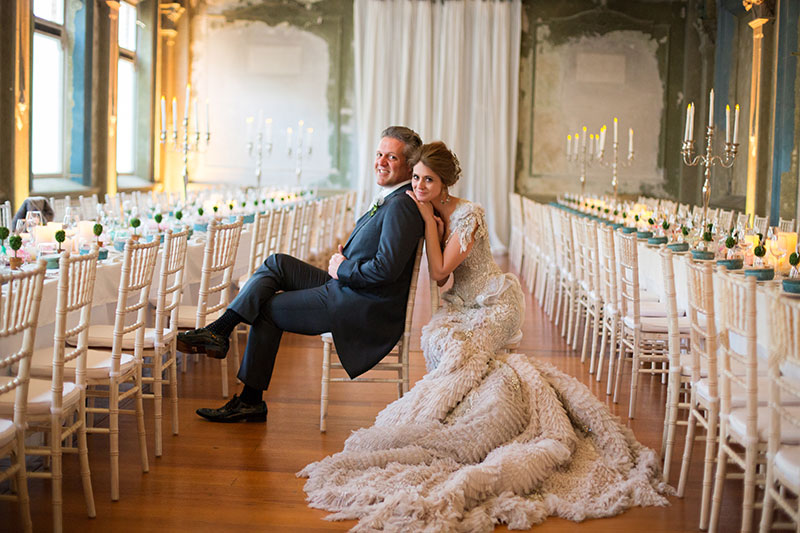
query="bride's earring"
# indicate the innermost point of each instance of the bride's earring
(446, 198)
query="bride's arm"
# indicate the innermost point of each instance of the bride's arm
(440, 262)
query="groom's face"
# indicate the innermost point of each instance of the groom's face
(390, 163)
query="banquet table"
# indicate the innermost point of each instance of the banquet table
(107, 286)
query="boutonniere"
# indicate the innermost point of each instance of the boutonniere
(375, 205)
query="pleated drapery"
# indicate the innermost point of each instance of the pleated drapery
(450, 71)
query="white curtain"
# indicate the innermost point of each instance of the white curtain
(450, 71)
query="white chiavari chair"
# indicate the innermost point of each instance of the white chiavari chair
(725, 220)
(262, 226)
(704, 391)
(760, 224)
(786, 224)
(307, 223)
(644, 324)
(321, 234)
(531, 256)
(161, 342)
(57, 393)
(219, 259)
(566, 279)
(59, 206)
(6, 215)
(515, 247)
(743, 220)
(19, 315)
(590, 288)
(608, 288)
(397, 362)
(683, 210)
(114, 368)
(782, 487)
(547, 280)
(739, 425)
(712, 215)
(697, 214)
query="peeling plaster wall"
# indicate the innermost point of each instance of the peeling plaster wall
(587, 81)
(276, 60)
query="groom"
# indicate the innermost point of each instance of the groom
(360, 299)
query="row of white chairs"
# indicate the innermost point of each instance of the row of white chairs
(747, 402)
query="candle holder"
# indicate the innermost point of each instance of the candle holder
(257, 147)
(298, 152)
(708, 161)
(614, 163)
(583, 157)
(196, 141)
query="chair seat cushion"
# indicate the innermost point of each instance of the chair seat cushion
(657, 324)
(98, 364)
(187, 316)
(39, 397)
(790, 434)
(7, 431)
(787, 463)
(102, 336)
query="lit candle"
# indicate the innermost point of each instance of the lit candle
(260, 123)
(691, 122)
(269, 130)
(163, 113)
(569, 145)
(688, 120)
(289, 138)
(300, 134)
(591, 144)
(196, 117)
(583, 140)
(309, 136)
(615, 130)
(736, 125)
(174, 113)
(727, 124)
(186, 105)
(603, 138)
(711, 109)
(249, 122)
(630, 140)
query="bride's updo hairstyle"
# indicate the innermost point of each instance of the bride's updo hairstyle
(437, 157)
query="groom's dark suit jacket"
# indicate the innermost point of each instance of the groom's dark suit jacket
(367, 303)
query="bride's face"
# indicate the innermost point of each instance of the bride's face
(426, 183)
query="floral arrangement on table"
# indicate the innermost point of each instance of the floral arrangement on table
(135, 223)
(60, 237)
(759, 251)
(731, 244)
(794, 259)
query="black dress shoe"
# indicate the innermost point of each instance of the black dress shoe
(203, 341)
(235, 411)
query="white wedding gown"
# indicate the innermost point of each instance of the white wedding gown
(484, 438)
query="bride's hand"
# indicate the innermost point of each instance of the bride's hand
(425, 208)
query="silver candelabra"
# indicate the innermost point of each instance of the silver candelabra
(257, 147)
(709, 159)
(298, 152)
(196, 141)
(581, 155)
(614, 163)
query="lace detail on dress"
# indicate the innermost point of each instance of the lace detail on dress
(484, 438)
(465, 220)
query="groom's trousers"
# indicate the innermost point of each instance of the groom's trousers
(301, 307)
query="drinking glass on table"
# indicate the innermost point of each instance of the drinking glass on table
(33, 219)
(71, 218)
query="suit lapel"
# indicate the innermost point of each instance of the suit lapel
(365, 218)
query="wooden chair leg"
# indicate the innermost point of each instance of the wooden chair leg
(173, 385)
(83, 458)
(158, 380)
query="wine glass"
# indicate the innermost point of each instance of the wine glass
(32, 219)
(776, 250)
(71, 218)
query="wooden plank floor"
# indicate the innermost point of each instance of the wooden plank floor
(219, 477)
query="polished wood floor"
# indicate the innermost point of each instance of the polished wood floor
(218, 477)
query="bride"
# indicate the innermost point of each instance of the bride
(484, 438)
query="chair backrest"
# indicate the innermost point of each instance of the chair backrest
(628, 276)
(20, 296)
(760, 224)
(608, 267)
(6, 215)
(725, 220)
(219, 258)
(171, 280)
(738, 317)
(349, 215)
(786, 224)
(76, 277)
(683, 210)
(138, 264)
(307, 223)
(743, 220)
(697, 214)
(294, 230)
(259, 243)
(277, 232)
(673, 328)
(703, 334)
(412, 295)
(88, 206)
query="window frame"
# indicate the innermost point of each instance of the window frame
(52, 29)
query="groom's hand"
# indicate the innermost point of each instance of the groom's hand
(333, 265)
